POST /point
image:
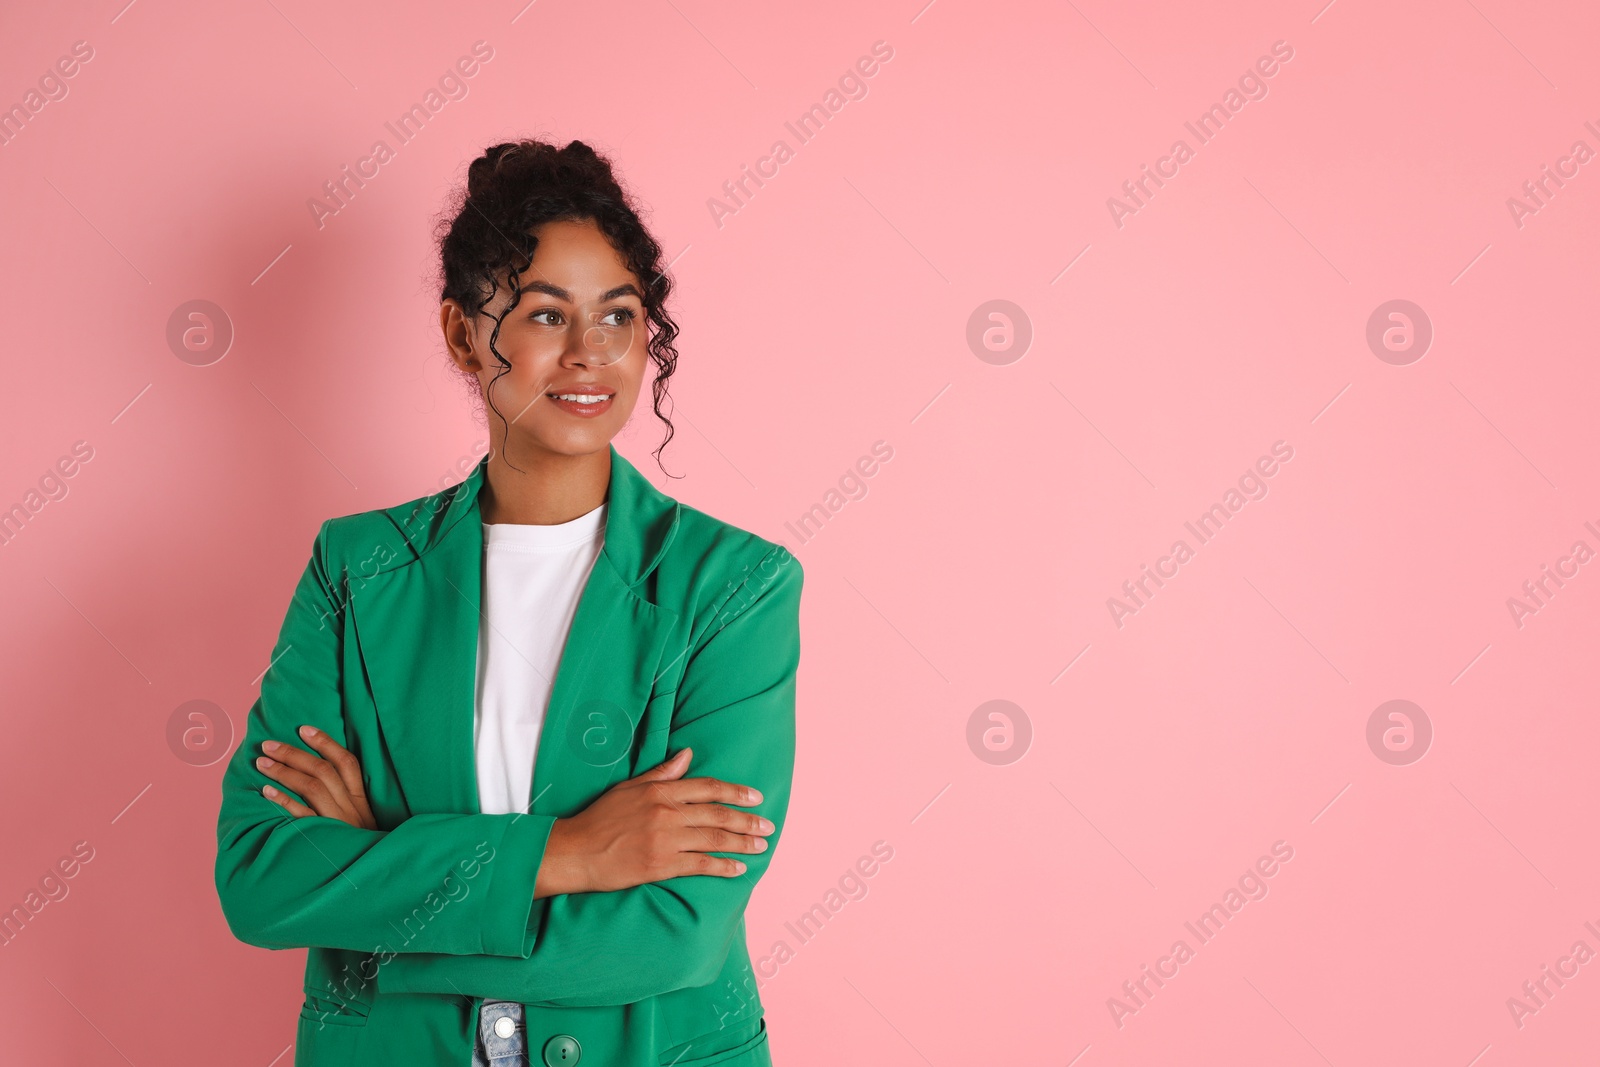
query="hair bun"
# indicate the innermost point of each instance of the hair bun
(485, 171)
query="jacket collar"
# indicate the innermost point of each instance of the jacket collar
(416, 631)
(641, 521)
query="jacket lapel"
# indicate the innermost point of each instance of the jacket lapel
(416, 627)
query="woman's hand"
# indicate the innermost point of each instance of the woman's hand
(330, 782)
(657, 826)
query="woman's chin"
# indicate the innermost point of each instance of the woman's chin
(565, 441)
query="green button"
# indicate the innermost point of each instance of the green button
(562, 1051)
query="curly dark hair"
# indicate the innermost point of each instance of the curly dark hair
(486, 233)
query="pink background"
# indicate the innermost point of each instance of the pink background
(831, 312)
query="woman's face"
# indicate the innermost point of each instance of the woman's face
(575, 342)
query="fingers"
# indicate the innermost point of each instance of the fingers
(700, 863)
(731, 819)
(707, 790)
(308, 775)
(332, 781)
(286, 802)
(668, 769)
(707, 826)
(712, 839)
(343, 761)
(714, 828)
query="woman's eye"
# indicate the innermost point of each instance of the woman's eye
(539, 316)
(624, 316)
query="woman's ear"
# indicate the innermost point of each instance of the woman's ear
(457, 329)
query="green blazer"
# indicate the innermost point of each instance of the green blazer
(686, 634)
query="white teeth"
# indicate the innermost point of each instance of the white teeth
(583, 398)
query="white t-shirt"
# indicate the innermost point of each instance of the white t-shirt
(532, 579)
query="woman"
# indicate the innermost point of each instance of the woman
(464, 786)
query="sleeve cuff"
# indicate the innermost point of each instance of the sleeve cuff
(508, 907)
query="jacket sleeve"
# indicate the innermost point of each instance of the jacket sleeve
(735, 707)
(444, 882)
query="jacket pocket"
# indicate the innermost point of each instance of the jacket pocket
(318, 1012)
(727, 1045)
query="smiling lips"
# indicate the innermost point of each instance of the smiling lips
(586, 402)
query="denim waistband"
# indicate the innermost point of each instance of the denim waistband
(494, 1050)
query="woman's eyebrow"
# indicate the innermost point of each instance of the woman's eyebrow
(626, 289)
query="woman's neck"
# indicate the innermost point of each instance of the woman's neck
(550, 489)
